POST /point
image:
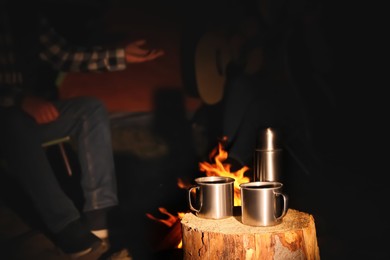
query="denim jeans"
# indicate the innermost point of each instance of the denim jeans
(86, 121)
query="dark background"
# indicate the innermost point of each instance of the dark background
(347, 112)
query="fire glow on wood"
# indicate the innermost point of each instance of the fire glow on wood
(216, 168)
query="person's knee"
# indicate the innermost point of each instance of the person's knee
(92, 105)
(92, 102)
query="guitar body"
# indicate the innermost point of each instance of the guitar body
(221, 46)
(211, 58)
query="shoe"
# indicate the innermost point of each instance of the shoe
(106, 223)
(93, 253)
(77, 241)
(122, 254)
(103, 219)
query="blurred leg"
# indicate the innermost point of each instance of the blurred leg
(86, 121)
(21, 141)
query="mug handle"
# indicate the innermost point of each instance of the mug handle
(189, 190)
(285, 202)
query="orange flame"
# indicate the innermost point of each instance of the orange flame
(182, 184)
(218, 168)
(173, 223)
(168, 222)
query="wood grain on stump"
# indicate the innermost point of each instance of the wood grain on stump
(294, 238)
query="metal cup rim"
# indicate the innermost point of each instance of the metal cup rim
(261, 184)
(214, 180)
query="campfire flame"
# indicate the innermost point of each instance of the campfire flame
(168, 222)
(218, 168)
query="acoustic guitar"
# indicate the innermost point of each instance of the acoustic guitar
(212, 56)
(214, 52)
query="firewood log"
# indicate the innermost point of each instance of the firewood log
(293, 238)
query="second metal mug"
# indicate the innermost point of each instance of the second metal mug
(215, 197)
(260, 203)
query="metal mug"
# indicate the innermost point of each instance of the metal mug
(215, 197)
(261, 203)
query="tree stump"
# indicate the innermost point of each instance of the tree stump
(294, 238)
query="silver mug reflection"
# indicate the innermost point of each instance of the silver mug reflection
(214, 196)
(262, 203)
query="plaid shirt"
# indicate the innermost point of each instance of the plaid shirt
(65, 57)
(55, 51)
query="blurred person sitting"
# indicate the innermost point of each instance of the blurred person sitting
(30, 49)
(260, 93)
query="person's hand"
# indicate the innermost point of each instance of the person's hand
(135, 53)
(41, 110)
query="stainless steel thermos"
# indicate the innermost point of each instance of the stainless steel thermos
(268, 156)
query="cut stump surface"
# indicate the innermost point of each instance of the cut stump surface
(294, 238)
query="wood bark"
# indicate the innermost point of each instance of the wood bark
(294, 238)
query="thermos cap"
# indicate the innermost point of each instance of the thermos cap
(269, 139)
